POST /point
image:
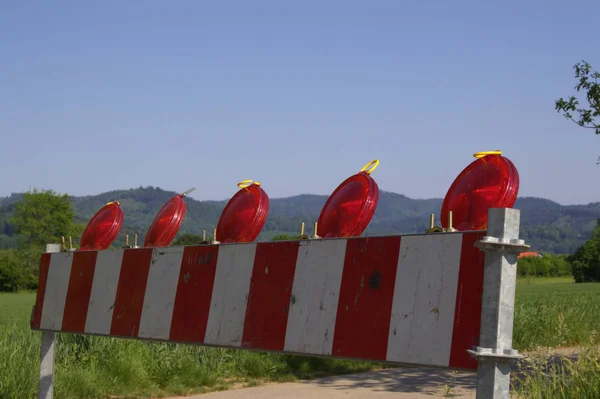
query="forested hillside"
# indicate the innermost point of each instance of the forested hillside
(546, 225)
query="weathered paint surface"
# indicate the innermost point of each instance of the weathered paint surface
(230, 295)
(131, 291)
(55, 296)
(194, 293)
(467, 311)
(314, 301)
(423, 305)
(366, 293)
(104, 292)
(78, 294)
(412, 299)
(270, 295)
(36, 317)
(161, 288)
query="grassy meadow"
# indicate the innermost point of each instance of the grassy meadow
(97, 367)
(556, 312)
(548, 313)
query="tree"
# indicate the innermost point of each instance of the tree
(40, 217)
(586, 116)
(43, 217)
(585, 262)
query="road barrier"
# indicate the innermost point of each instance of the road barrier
(437, 300)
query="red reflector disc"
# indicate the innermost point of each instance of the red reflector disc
(488, 182)
(103, 228)
(166, 224)
(350, 207)
(244, 215)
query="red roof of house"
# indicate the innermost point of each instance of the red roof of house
(529, 254)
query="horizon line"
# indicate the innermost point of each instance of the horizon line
(271, 198)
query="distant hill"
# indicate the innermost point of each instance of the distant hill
(546, 225)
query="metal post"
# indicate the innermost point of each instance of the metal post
(46, 387)
(495, 353)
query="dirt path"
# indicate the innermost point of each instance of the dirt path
(390, 383)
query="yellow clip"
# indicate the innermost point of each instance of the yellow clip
(373, 164)
(113, 202)
(247, 183)
(482, 154)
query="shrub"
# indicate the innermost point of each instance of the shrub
(546, 266)
(15, 276)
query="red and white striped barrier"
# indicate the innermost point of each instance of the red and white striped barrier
(412, 299)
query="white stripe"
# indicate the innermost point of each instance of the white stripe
(104, 292)
(315, 296)
(230, 294)
(161, 288)
(424, 297)
(57, 284)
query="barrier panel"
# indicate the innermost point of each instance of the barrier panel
(416, 299)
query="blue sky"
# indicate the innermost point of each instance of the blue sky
(96, 96)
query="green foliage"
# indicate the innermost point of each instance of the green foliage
(39, 217)
(11, 276)
(587, 114)
(546, 266)
(586, 259)
(42, 217)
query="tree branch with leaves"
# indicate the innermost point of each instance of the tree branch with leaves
(584, 116)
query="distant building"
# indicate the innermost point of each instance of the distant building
(530, 254)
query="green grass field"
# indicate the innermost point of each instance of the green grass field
(556, 312)
(95, 367)
(548, 313)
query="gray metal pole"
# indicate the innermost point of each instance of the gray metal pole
(495, 353)
(46, 387)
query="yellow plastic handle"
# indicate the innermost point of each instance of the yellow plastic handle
(482, 154)
(373, 165)
(248, 183)
(113, 202)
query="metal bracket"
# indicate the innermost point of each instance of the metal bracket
(495, 353)
(513, 245)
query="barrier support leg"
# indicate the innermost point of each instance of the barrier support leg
(47, 365)
(46, 387)
(495, 353)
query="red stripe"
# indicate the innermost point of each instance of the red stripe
(467, 313)
(194, 293)
(366, 297)
(78, 293)
(41, 291)
(269, 296)
(130, 292)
